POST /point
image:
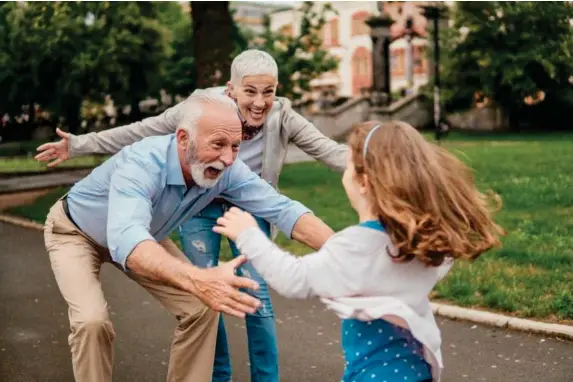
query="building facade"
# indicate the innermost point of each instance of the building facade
(347, 36)
(249, 15)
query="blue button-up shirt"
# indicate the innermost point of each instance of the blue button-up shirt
(140, 194)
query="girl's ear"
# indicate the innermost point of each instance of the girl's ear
(363, 182)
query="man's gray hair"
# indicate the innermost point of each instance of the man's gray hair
(192, 108)
(253, 62)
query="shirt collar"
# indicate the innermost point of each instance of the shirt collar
(373, 224)
(174, 171)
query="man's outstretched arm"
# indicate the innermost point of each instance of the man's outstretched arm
(133, 247)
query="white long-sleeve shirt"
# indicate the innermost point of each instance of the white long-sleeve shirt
(354, 276)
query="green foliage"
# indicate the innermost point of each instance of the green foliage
(61, 53)
(179, 77)
(141, 43)
(301, 58)
(507, 51)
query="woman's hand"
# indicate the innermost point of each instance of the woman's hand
(234, 222)
(54, 151)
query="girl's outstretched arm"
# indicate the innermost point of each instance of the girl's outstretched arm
(336, 270)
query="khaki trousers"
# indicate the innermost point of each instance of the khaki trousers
(76, 262)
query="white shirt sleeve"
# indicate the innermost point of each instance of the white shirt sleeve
(334, 271)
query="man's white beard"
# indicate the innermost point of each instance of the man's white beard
(198, 173)
(198, 169)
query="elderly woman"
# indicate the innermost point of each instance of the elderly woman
(269, 125)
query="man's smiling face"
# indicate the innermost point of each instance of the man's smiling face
(212, 147)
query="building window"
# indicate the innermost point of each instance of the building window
(361, 70)
(397, 62)
(330, 33)
(420, 59)
(359, 26)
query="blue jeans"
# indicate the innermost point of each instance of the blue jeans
(202, 246)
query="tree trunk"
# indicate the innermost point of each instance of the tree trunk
(212, 42)
(73, 119)
(135, 114)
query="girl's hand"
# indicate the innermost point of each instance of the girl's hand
(234, 222)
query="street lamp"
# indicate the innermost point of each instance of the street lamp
(380, 34)
(434, 13)
(409, 38)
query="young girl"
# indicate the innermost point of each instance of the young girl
(418, 210)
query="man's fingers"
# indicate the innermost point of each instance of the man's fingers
(228, 310)
(244, 282)
(246, 302)
(237, 261)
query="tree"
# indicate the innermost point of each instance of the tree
(300, 58)
(508, 51)
(62, 53)
(6, 61)
(179, 76)
(212, 42)
(142, 44)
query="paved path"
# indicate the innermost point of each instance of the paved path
(50, 179)
(33, 333)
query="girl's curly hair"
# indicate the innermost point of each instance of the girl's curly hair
(423, 195)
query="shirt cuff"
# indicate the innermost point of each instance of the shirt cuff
(72, 144)
(252, 242)
(294, 212)
(128, 240)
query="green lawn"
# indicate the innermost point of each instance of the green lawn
(532, 275)
(29, 164)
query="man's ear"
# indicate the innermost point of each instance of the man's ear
(182, 138)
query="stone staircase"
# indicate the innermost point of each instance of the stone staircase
(415, 109)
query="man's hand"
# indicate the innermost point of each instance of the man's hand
(56, 151)
(234, 222)
(217, 288)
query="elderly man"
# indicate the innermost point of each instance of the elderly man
(270, 125)
(123, 213)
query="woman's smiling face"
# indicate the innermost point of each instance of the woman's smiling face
(255, 97)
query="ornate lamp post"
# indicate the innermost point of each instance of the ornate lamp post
(410, 55)
(380, 34)
(436, 12)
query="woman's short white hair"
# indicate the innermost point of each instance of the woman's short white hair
(253, 62)
(192, 108)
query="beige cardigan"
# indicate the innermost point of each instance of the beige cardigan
(283, 126)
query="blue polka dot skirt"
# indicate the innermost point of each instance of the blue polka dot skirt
(383, 352)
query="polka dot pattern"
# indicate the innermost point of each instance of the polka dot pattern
(380, 351)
